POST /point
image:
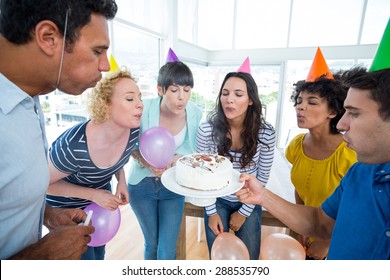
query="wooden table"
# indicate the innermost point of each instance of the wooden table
(196, 211)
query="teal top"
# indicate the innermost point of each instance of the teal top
(150, 118)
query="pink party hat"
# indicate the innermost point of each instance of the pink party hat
(171, 57)
(245, 67)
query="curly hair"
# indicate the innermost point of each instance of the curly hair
(18, 18)
(254, 121)
(100, 97)
(333, 90)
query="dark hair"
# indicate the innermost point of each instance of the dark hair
(377, 82)
(175, 72)
(333, 90)
(18, 18)
(253, 122)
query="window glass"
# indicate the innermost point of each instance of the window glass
(324, 23)
(187, 28)
(140, 54)
(261, 24)
(375, 21)
(150, 14)
(215, 24)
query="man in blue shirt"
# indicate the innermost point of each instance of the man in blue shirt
(356, 217)
(45, 45)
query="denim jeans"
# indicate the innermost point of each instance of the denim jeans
(249, 233)
(94, 253)
(159, 212)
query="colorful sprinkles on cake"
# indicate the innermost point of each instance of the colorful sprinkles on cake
(203, 161)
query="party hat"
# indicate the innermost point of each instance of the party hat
(171, 57)
(318, 68)
(245, 67)
(113, 65)
(382, 56)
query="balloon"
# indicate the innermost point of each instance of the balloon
(157, 146)
(227, 246)
(106, 223)
(279, 246)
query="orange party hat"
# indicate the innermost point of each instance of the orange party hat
(245, 67)
(319, 68)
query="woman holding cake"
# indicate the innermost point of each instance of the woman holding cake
(159, 211)
(237, 130)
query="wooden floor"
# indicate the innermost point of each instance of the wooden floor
(128, 243)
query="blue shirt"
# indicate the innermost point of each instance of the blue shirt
(69, 154)
(24, 171)
(260, 166)
(361, 208)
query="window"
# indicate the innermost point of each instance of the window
(149, 14)
(325, 23)
(377, 15)
(261, 24)
(139, 52)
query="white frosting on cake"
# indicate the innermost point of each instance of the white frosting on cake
(204, 171)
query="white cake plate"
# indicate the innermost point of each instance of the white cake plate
(199, 197)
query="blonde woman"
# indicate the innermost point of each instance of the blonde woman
(85, 157)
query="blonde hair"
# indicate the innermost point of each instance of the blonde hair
(100, 97)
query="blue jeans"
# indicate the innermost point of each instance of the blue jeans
(249, 233)
(159, 212)
(94, 253)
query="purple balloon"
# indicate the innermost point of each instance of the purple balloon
(106, 223)
(157, 146)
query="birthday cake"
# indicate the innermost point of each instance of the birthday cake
(204, 171)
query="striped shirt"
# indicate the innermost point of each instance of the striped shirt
(69, 154)
(260, 166)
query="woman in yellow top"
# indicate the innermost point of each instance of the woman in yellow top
(319, 158)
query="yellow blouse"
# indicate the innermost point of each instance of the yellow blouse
(315, 180)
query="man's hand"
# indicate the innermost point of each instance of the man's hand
(62, 243)
(57, 217)
(252, 191)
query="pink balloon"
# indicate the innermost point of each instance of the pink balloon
(106, 223)
(157, 146)
(227, 246)
(279, 246)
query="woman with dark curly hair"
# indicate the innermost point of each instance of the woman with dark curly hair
(236, 129)
(320, 157)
